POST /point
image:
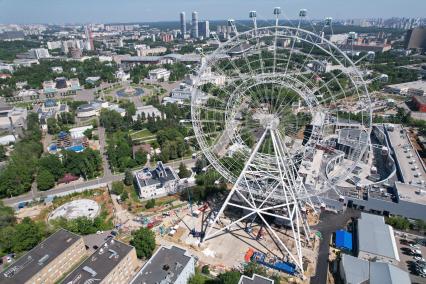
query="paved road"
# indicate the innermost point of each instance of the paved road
(105, 164)
(329, 223)
(81, 186)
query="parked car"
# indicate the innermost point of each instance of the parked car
(419, 258)
(415, 252)
(414, 246)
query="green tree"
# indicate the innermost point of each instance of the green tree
(128, 177)
(2, 153)
(398, 222)
(111, 120)
(7, 215)
(197, 278)
(45, 180)
(117, 187)
(183, 171)
(229, 277)
(7, 238)
(141, 157)
(200, 164)
(205, 269)
(28, 235)
(124, 196)
(88, 133)
(144, 242)
(254, 268)
(150, 204)
(53, 164)
(52, 126)
(420, 225)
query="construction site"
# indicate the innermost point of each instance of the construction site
(241, 244)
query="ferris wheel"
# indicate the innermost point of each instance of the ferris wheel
(270, 124)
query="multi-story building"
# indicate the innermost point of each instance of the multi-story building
(146, 111)
(51, 108)
(204, 29)
(113, 262)
(166, 37)
(167, 265)
(48, 261)
(157, 182)
(39, 53)
(194, 26)
(12, 117)
(159, 74)
(151, 51)
(54, 45)
(94, 109)
(182, 24)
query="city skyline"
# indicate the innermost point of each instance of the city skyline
(110, 11)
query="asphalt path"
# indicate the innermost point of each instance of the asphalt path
(329, 223)
(80, 186)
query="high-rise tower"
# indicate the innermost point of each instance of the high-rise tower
(194, 27)
(89, 38)
(182, 24)
(204, 29)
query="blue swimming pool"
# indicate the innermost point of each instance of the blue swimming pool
(76, 148)
(53, 148)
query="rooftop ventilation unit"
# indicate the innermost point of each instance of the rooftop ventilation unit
(113, 254)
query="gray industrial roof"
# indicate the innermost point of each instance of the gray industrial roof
(386, 273)
(37, 258)
(164, 266)
(356, 270)
(100, 263)
(363, 271)
(376, 237)
(255, 279)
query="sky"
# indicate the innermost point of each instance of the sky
(113, 11)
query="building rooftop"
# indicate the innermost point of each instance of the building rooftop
(50, 103)
(164, 266)
(410, 192)
(255, 279)
(420, 99)
(386, 273)
(420, 85)
(100, 263)
(32, 262)
(376, 237)
(356, 270)
(411, 166)
(362, 271)
(160, 175)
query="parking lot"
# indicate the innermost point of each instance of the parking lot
(407, 261)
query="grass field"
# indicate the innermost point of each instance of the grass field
(143, 135)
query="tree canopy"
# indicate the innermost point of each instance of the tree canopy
(144, 242)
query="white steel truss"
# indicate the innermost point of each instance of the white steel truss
(276, 196)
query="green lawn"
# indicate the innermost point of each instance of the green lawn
(142, 135)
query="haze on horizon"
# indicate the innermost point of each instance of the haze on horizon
(110, 11)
